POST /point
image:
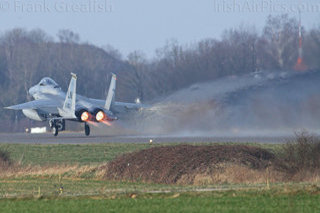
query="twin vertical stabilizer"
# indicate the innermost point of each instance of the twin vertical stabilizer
(111, 92)
(69, 106)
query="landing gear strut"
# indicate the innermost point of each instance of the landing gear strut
(55, 130)
(56, 126)
(86, 129)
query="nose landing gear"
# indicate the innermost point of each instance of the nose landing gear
(54, 130)
(57, 125)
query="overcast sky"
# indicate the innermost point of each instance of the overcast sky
(147, 24)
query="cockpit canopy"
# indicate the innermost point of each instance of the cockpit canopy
(48, 82)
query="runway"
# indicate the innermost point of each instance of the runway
(79, 138)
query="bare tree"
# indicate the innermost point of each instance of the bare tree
(112, 51)
(67, 36)
(281, 33)
(312, 47)
(137, 60)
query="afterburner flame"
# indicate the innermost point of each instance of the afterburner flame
(85, 116)
(106, 122)
(100, 116)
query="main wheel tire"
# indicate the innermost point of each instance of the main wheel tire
(87, 129)
(61, 125)
(55, 130)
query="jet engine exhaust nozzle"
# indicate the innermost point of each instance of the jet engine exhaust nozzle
(85, 116)
(100, 116)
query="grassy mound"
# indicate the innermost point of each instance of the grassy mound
(186, 163)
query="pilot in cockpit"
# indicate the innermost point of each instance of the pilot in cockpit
(48, 82)
(45, 86)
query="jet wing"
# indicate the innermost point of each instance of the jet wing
(36, 104)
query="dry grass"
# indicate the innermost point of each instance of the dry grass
(230, 173)
(74, 171)
(298, 161)
(239, 174)
(307, 176)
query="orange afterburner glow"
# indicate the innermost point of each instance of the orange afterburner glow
(85, 116)
(100, 116)
(106, 122)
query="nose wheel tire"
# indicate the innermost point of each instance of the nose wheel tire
(87, 129)
(55, 130)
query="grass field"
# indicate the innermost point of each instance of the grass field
(82, 154)
(231, 201)
(67, 154)
(47, 187)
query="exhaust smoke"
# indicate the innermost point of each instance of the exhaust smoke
(257, 104)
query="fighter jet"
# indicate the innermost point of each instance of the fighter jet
(53, 105)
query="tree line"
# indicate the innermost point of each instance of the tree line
(27, 56)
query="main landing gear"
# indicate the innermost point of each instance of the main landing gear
(58, 125)
(86, 129)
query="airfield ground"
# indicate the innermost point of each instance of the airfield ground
(231, 201)
(71, 178)
(78, 138)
